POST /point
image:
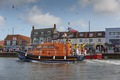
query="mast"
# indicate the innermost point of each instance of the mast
(89, 37)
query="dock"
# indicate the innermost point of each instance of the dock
(111, 56)
(104, 55)
(8, 54)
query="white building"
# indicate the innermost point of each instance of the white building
(93, 40)
(112, 36)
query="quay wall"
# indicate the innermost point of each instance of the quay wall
(104, 55)
(8, 54)
(111, 56)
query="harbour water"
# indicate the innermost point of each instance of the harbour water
(13, 69)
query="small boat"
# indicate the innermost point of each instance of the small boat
(94, 56)
(50, 52)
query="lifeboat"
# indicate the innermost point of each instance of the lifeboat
(51, 52)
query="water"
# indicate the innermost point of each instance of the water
(13, 69)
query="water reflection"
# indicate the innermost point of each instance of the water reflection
(13, 69)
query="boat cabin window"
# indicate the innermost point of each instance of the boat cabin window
(37, 48)
(51, 46)
(47, 46)
(44, 46)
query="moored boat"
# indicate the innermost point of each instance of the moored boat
(51, 52)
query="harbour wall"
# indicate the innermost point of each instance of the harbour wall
(104, 55)
(8, 54)
(111, 56)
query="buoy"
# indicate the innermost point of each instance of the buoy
(25, 54)
(65, 57)
(53, 57)
(39, 57)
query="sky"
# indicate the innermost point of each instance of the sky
(18, 16)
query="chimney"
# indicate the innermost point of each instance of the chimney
(32, 27)
(54, 26)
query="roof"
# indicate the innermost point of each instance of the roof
(17, 37)
(42, 29)
(96, 34)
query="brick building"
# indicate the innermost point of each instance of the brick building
(16, 41)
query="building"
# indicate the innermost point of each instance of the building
(16, 41)
(1, 43)
(39, 36)
(93, 40)
(112, 38)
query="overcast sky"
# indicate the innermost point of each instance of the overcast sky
(21, 15)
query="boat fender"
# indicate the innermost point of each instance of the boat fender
(25, 54)
(65, 57)
(53, 57)
(39, 57)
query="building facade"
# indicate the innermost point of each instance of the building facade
(92, 40)
(39, 36)
(112, 38)
(16, 41)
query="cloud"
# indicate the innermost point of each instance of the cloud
(81, 23)
(2, 21)
(21, 2)
(61, 28)
(102, 6)
(36, 17)
(83, 3)
(73, 8)
(17, 2)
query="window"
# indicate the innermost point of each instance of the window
(13, 42)
(114, 41)
(44, 46)
(48, 32)
(50, 46)
(99, 40)
(91, 40)
(80, 40)
(8, 42)
(42, 32)
(14, 38)
(35, 40)
(81, 35)
(113, 33)
(35, 32)
(54, 36)
(20, 42)
(99, 34)
(109, 33)
(48, 39)
(71, 35)
(117, 33)
(91, 35)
